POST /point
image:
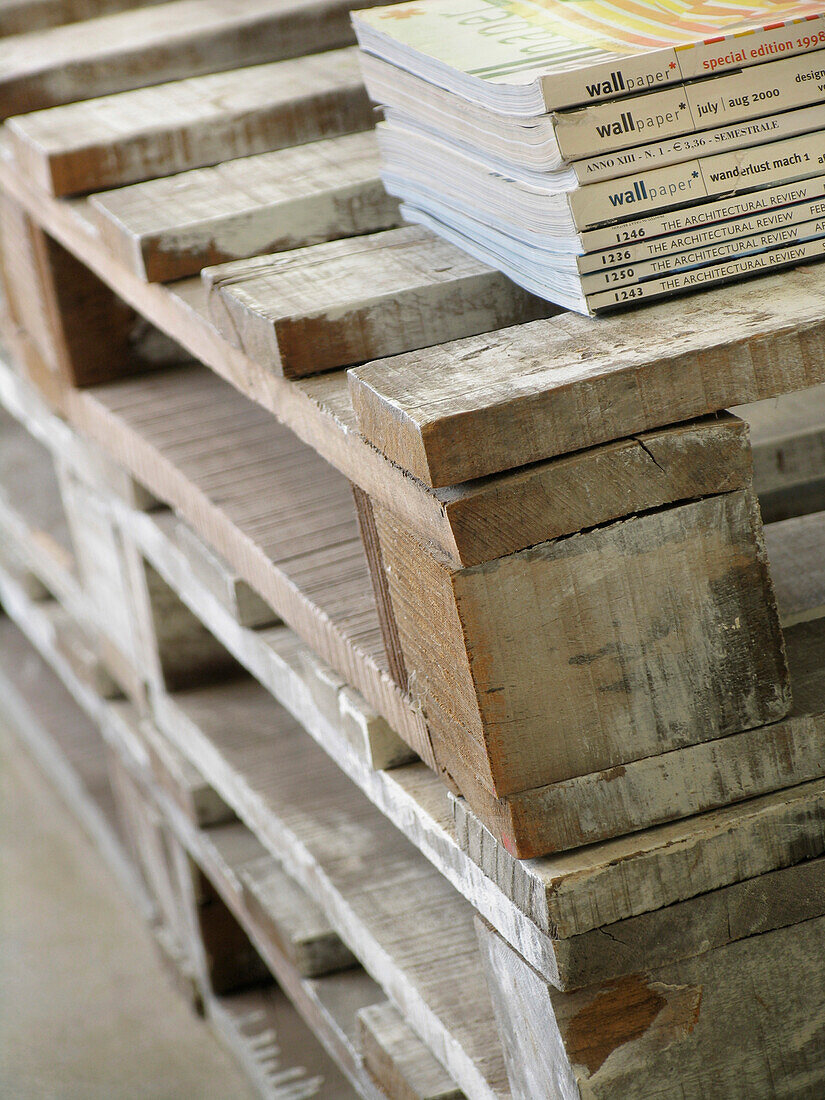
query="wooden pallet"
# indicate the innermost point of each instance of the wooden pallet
(567, 500)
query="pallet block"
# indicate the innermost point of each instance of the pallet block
(644, 636)
(735, 1022)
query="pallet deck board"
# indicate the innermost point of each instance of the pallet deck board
(150, 45)
(330, 305)
(423, 954)
(552, 387)
(171, 227)
(188, 124)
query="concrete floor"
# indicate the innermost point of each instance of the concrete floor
(86, 1010)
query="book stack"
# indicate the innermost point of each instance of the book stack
(600, 155)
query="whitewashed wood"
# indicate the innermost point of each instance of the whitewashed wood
(788, 439)
(737, 1022)
(594, 380)
(333, 304)
(593, 887)
(260, 1029)
(272, 507)
(795, 549)
(190, 123)
(412, 797)
(31, 507)
(172, 227)
(268, 770)
(68, 748)
(25, 16)
(241, 601)
(300, 926)
(398, 1059)
(645, 635)
(147, 46)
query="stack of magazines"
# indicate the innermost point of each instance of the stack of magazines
(602, 152)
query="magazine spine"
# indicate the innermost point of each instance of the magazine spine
(711, 233)
(659, 154)
(669, 263)
(739, 268)
(692, 181)
(647, 234)
(704, 104)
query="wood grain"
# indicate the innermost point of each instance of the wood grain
(190, 123)
(302, 195)
(644, 636)
(490, 403)
(593, 887)
(675, 784)
(150, 45)
(266, 766)
(334, 304)
(399, 1061)
(735, 1022)
(25, 16)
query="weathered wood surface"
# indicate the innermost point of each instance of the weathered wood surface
(490, 517)
(675, 784)
(190, 123)
(788, 440)
(776, 899)
(172, 227)
(737, 1022)
(644, 636)
(271, 506)
(25, 16)
(494, 402)
(594, 887)
(795, 549)
(354, 864)
(151, 45)
(412, 796)
(260, 1028)
(67, 746)
(334, 304)
(318, 409)
(298, 925)
(241, 601)
(398, 1060)
(31, 509)
(679, 783)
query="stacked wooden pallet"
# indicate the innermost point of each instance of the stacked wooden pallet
(466, 694)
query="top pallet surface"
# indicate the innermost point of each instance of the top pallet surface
(477, 406)
(150, 45)
(24, 16)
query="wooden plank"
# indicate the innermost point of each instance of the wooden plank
(594, 887)
(269, 771)
(296, 923)
(318, 410)
(644, 636)
(490, 403)
(788, 440)
(25, 16)
(334, 304)
(735, 1022)
(795, 549)
(185, 38)
(269, 505)
(399, 1061)
(692, 927)
(190, 123)
(260, 1029)
(172, 227)
(675, 784)
(241, 601)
